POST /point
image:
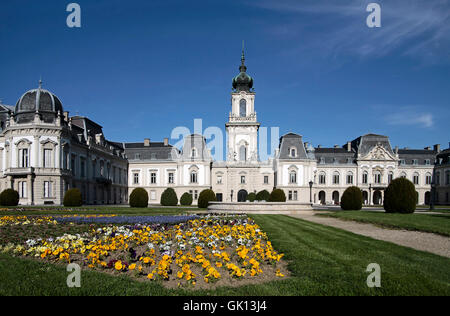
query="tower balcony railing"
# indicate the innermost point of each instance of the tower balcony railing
(236, 118)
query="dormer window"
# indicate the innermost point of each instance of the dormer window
(293, 152)
(321, 160)
(427, 162)
(194, 153)
(402, 162)
(415, 162)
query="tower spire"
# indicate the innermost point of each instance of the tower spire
(40, 82)
(243, 52)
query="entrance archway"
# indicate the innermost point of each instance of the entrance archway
(322, 197)
(242, 196)
(336, 198)
(427, 198)
(365, 197)
(377, 197)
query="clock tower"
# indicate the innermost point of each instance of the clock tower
(242, 126)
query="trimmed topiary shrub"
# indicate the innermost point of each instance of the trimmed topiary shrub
(352, 199)
(186, 199)
(169, 197)
(73, 198)
(400, 197)
(251, 197)
(205, 197)
(277, 195)
(139, 198)
(9, 197)
(263, 195)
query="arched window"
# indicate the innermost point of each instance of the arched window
(428, 178)
(193, 152)
(377, 177)
(403, 175)
(243, 108)
(243, 153)
(365, 177)
(390, 177)
(416, 178)
(350, 177)
(336, 177)
(322, 178)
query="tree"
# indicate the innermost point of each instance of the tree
(263, 195)
(251, 197)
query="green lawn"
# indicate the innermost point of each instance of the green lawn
(323, 261)
(439, 223)
(91, 210)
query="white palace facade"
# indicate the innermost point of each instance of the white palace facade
(44, 152)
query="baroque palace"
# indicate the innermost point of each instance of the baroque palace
(44, 152)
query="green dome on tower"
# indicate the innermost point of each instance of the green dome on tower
(243, 81)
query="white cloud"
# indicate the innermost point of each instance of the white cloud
(417, 28)
(409, 116)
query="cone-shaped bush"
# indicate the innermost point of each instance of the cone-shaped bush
(352, 199)
(73, 198)
(263, 195)
(400, 197)
(251, 197)
(9, 197)
(205, 197)
(139, 198)
(277, 195)
(169, 197)
(186, 199)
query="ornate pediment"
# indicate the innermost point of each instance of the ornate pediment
(379, 153)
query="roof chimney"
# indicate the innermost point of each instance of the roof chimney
(66, 116)
(336, 146)
(437, 148)
(319, 146)
(147, 142)
(349, 146)
(427, 148)
(396, 150)
(166, 142)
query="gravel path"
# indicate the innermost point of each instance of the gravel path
(439, 245)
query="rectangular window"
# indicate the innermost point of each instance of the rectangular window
(153, 178)
(336, 179)
(171, 178)
(415, 162)
(219, 197)
(153, 195)
(322, 179)
(295, 196)
(377, 178)
(47, 189)
(82, 168)
(427, 162)
(416, 179)
(390, 177)
(243, 179)
(428, 179)
(290, 195)
(23, 158)
(195, 194)
(219, 179)
(47, 158)
(22, 189)
(193, 177)
(266, 179)
(136, 178)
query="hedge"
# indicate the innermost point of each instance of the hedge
(277, 195)
(186, 199)
(263, 195)
(400, 197)
(9, 197)
(169, 197)
(352, 199)
(139, 198)
(73, 198)
(251, 197)
(205, 197)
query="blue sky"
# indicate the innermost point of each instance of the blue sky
(142, 68)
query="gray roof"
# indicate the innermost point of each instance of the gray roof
(419, 155)
(364, 144)
(334, 155)
(199, 143)
(289, 141)
(155, 151)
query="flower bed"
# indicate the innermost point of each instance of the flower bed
(179, 251)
